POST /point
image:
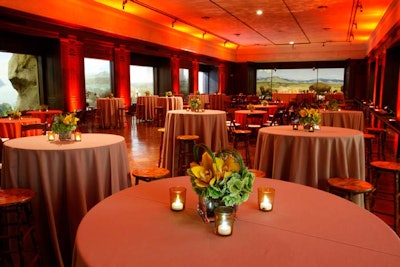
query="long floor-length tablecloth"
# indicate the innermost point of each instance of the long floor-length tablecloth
(69, 178)
(217, 102)
(209, 125)
(12, 128)
(241, 116)
(46, 115)
(149, 103)
(110, 111)
(203, 98)
(307, 227)
(310, 158)
(353, 119)
(170, 103)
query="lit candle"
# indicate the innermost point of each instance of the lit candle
(311, 129)
(339, 109)
(78, 136)
(295, 127)
(224, 229)
(51, 136)
(266, 204)
(177, 204)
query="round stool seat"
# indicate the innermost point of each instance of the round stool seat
(257, 173)
(352, 185)
(386, 165)
(375, 130)
(149, 174)
(242, 132)
(349, 187)
(188, 137)
(14, 196)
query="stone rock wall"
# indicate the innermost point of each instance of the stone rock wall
(23, 75)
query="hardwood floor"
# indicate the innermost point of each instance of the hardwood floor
(143, 145)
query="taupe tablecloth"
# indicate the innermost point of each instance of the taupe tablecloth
(109, 110)
(310, 158)
(307, 227)
(12, 128)
(352, 119)
(68, 178)
(149, 103)
(203, 98)
(217, 102)
(210, 125)
(241, 116)
(170, 103)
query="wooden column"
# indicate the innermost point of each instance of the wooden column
(72, 66)
(195, 75)
(122, 77)
(175, 74)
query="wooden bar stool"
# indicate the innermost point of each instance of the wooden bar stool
(186, 145)
(162, 131)
(349, 187)
(242, 135)
(379, 167)
(17, 232)
(380, 136)
(149, 174)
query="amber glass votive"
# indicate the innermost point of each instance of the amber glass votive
(177, 198)
(295, 126)
(78, 136)
(266, 197)
(51, 136)
(224, 219)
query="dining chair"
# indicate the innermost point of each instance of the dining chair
(254, 121)
(34, 126)
(277, 118)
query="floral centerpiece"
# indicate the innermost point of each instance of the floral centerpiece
(332, 104)
(168, 93)
(309, 117)
(264, 102)
(111, 95)
(147, 93)
(64, 124)
(15, 114)
(220, 179)
(250, 107)
(195, 103)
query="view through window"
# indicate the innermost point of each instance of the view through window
(142, 81)
(299, 80)
(184, 81)
(97, 79)
(19, 87)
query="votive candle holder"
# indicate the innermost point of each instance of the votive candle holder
(78, 136)
(266, 196)
(224, 220)
(177, 198)
(51, 136)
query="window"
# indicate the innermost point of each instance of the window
(203, 82)
(97, 79)
(184, 81)
(18, 71)
(142, 80)
(298, 80)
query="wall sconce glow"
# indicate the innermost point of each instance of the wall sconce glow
(259, 12)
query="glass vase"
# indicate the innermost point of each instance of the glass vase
(207, 206)
(64, 136)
